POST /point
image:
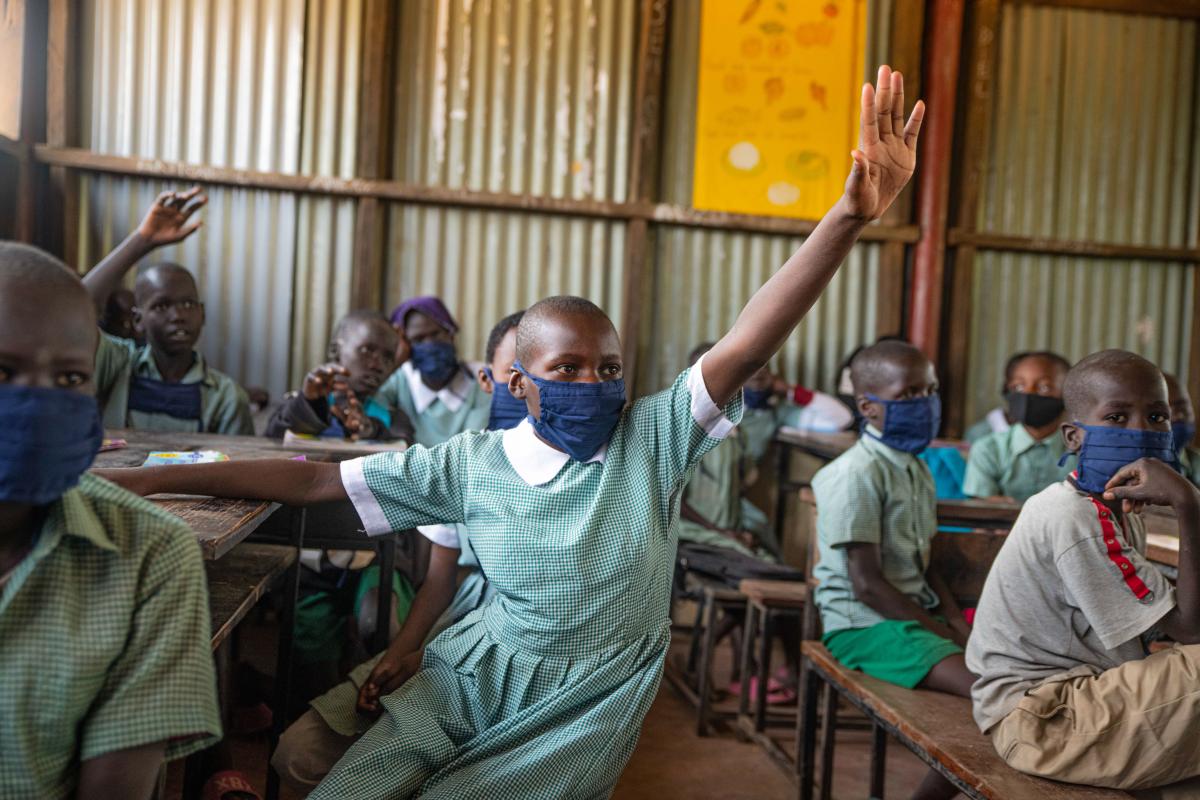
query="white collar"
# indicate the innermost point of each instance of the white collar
(452, 395)
(534, 460)
(997, 421)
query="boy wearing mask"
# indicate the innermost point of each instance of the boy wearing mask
(434, 387)
(1066, 689)
(1183, 428)
(164, 384)
(1025, 458)
(104, 612)
(543, 690)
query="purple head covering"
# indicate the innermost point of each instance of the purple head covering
(428, 305)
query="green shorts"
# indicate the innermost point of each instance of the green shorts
(897, 651)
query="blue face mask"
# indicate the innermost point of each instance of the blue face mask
(577, 418)
(909, 425)
(1182, 434)
(1105, 450)
(756, 398)
(48, 440)
(507, 411)
(435, 360)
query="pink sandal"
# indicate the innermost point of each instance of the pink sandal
(222, 783)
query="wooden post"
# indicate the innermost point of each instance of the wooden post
(374, 152)
(643, 172)
(61, 125)
(933, 184)
(33, 115)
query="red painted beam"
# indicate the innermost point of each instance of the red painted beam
(943, 46)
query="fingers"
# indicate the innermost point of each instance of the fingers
(868, 126)
(1126, 474)
(195, 205)
(897, 102)
(883, 101)
(913, 128)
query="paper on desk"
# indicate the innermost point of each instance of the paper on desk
(194, 457)
(112, 444)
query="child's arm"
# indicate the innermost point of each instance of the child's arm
(882, 166)
(296, 483)
(166, 222)
(873, 589)
(1150, 481)
(948, 607)
(121, 773)
(403, 656)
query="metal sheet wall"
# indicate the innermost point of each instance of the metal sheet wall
(519, 96)
(1075, 157)
(717, 271)
(229, 84)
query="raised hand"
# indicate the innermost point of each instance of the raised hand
(887, 147)
(323, 380)
(166, 222)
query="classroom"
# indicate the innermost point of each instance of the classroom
(582, 399)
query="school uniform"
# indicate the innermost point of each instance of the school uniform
(105, 632)
(132, 394)
(715, 493)
(994, 421)
(1014, 464)
(461, 405)
(1189, 464)
(1065, 687)
(875, 494)
(540, 693)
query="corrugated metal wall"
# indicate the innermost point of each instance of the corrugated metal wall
(229, 84)
(519, 96)
(1095, 151)
(718, 271)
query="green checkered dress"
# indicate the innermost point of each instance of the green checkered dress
(104, 641)
(541, 692)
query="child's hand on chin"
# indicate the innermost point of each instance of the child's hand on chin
(1149, 481)
(887, 153)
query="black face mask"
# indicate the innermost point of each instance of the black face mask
(1034, 410)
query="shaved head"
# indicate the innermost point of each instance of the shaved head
(155, 276)
(882, 364)
(22, 265)
(552, 312)
(1091, 381)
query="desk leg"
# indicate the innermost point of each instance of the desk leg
(783, 463)
(283, 665)
(383, 615)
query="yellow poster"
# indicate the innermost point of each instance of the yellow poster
(777, 104)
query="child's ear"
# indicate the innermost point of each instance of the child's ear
(866, 407)
(485, 382)
(516, 385)
(332, 352)
(1072, 437)
(138, 325)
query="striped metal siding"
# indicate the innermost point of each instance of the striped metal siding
(1074, 157)
(518, 96)
(717, 271)
(230, 84)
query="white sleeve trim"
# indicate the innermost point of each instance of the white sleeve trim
(444, 535)
(704, 410)
(368, 508)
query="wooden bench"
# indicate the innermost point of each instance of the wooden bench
(937, 727)
(239, 580)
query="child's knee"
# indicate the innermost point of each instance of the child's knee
(307, 750)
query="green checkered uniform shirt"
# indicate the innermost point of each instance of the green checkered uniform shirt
(106, 644)
(1014, 464)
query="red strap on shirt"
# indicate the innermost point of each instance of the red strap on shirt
(802, 396)
(1113, 544)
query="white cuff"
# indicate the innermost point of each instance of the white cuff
(368, 508)
(704, 410)
(444, 535)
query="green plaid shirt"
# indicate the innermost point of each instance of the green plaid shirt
(106, 643)
(1014, 464)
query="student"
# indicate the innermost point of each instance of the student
(998, 419)
(104, 613)
(542, 692)
(1183, 428)
(884, 610)
(117, 319)
(1066, 689)
(311, 746)
(772, 403)
(1022, 460)
(434, 387)
(165, 384)
(338, 398)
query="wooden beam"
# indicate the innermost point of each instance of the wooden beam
(1070, 247)
(1184, 9)
(664, 213)
(643, 172)
(933, 180)
(61, 125)
(374, 151)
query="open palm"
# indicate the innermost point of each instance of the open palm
(887, 153)
(167, 220)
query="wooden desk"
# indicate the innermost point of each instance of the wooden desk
(237, 582)
(972, 513)
(826, 446)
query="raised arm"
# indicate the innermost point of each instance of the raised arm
(883, 164)
(296, 483)
(166, 222)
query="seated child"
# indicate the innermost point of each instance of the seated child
(997, 420)
(311, 746)
(1023, 459)
(1066, 689)
(771, 403)
(542, 691)
(165, 384)
(117, 318)
(104, 613)
(434, 387)
(338, 398)
(884, 610)
(1183, 428)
